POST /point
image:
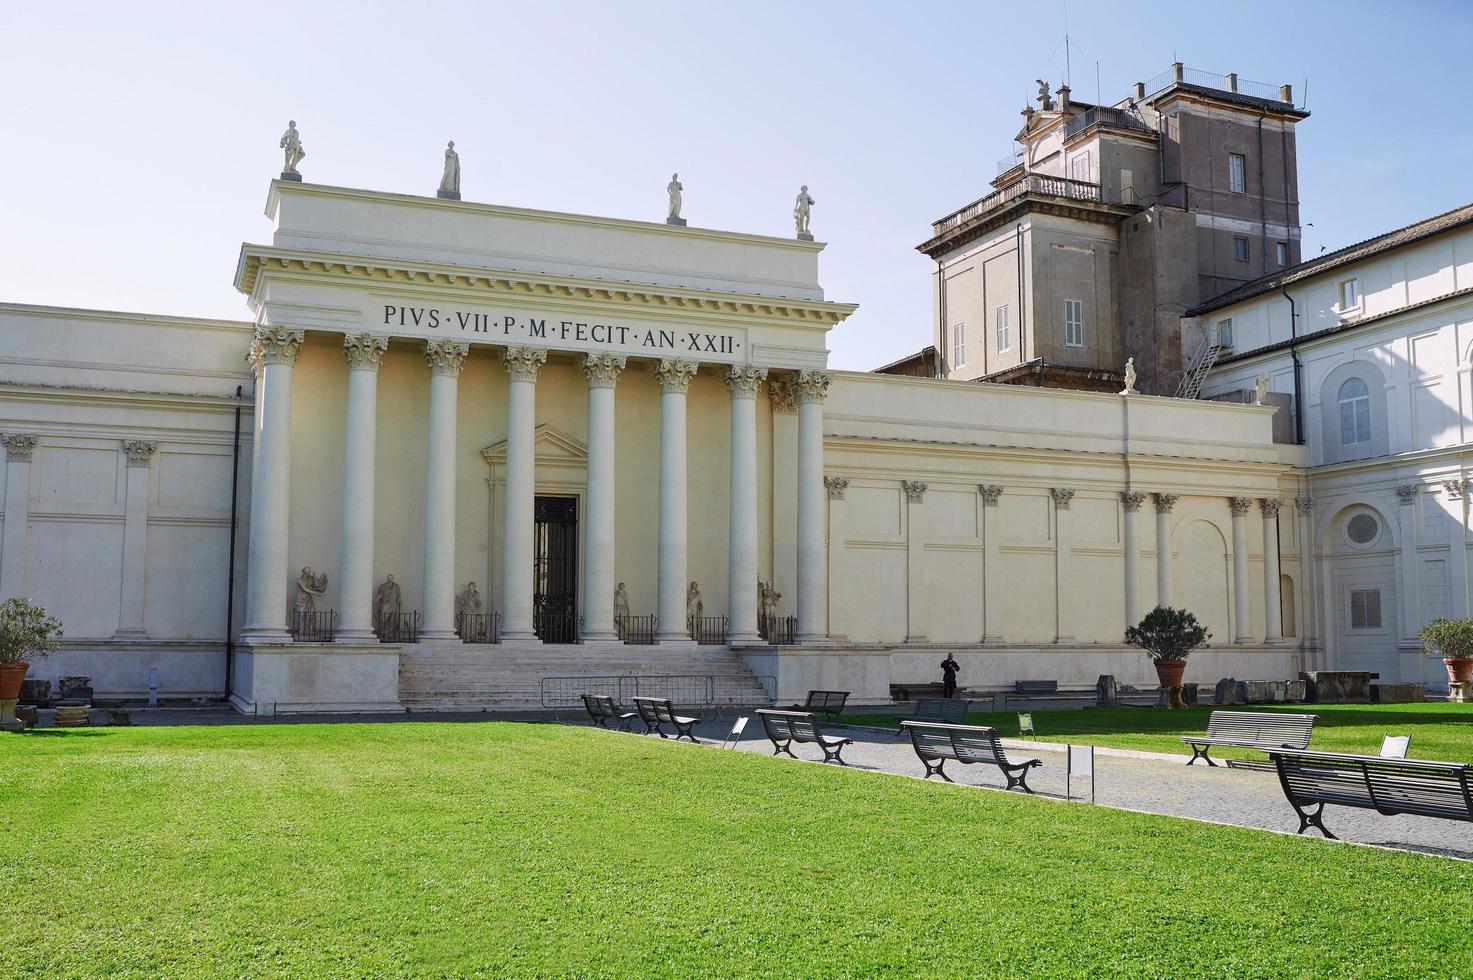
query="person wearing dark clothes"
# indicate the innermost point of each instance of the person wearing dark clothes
(949, 668)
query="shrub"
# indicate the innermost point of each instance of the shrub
(1168, 634)
(1452, 638)
(27, 631)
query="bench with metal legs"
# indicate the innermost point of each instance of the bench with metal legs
(784, 728)
(935, 744)
(656, 713)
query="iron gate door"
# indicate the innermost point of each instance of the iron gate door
(555, 570)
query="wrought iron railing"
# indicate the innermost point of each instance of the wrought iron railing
(1105, 116)
(782, 630)
(1040, 184)
(556, 626)
(638, 630)
(399, 627)
(1223, 83)
(312, 625)
(1010, 161)
(478, 627)
(707, 630)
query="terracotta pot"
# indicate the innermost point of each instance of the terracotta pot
(1459, 670)
(1169, 672)
(12, 674)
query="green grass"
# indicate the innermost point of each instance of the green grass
(1439, 730)
(499, 848)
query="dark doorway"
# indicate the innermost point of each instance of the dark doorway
(555, 570)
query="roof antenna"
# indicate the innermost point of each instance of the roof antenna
(1068, 71)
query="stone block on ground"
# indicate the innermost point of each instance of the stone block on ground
(1106, 693)
(1189, 694)
(119, 716)
(1226, 692)
(1338, 686)
(1383, 692)
(28, 714)
(71, 717)
(36, 692)
(1263, 692)
(1460, 691)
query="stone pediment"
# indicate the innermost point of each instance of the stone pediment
(550, 445)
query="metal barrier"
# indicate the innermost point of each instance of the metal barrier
(399, 627)
(478, 627)
(312, 625)
(708, 691)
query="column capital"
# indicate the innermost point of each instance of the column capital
(742, 380)
(783, 395)
(445, 357)
(836, 486)
(364, 351)
(19, 446)
(140, 451)
(523, 363)
(1270, 506)
(1131, 500)
(674, 375)
(991, 494)
(915, 490)
(1406, 493)
(275, 345)
(1455, 488)
(1063, 496)
(1164, 502)
(1240, 506)
(812, 386)
(602, 370)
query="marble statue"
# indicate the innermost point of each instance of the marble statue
(1045, 99)
(676, 200)
(621, 603)
(801, 212)
(291, 143)
(390, 599)
(450, 179)
(1260, 394)
(767, 597)
(468, 603)
(309, 588)
(694, 607)
(1129, 377)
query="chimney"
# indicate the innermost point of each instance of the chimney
(1063, 94)
(1232, 81)
(1286, 94)
(1176, 71)
(1140, 90)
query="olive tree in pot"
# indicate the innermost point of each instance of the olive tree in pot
(1453, 639)
(27, 632)
(1168, 636)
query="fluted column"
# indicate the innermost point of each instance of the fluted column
(273, 352)
(1164, 503)
(812, 388)
(522, 365)
(1130, 501)
(674, 378)
(1240, 507)
(1273, 611)
(602, 372)
(742, 380)
(364, 353)
(19, 447)
(140, 453)
(444, 359)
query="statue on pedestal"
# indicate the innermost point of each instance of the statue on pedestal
(676, 200)
(1045, 98)
(309, 587)
(450, 179)
(389, 601)
(621, 603)
(801, 213)
(468, 603)
(291, 143)
(694, 607)
(1130, 377)
(1260, 392)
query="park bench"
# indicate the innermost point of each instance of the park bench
(786, 727)
(1388, 786)
(602, 710)
(656, 713)
(827, 703)
(1251, 730)
(967, 744)
(953, 710)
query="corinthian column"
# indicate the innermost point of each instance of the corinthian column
(444, 358)
(1273, 613)
(742, 381)
(1131, 501)
(1164, 503)
(273, 352)
(602, 372)
(674, 378)
(812, 388)
(522, 365)
(1240, 507)
(364, 353)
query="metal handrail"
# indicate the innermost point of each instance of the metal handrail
(478, 627)
(707, 630)
(637, 630)
(1105, 116)
(312, 625)
(398, 627)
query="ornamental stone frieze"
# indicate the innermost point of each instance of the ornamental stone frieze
(1131, 500)
(19, 446)
(139, 451)
(445, 357)
(674, 375)
(836, 486)
(1306, 504)
(1063, 496)
(742, 380)
(602, 370)
(1164, 502)
(915, 490)
(275, 345)
(812, 386)
(1240, 506)
(991, 494)
(1270, 506)
(1407, 493)
(783, 395)
(364, 351)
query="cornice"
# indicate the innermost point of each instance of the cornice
(152, 319)
(1099, 212)
(258, 259)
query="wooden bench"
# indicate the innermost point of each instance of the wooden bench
(953, 710)
(1388, 786)
(656, 713)
(1263, 730)
(786, 727)
(602, 710)
(967, 744)
(827, 703)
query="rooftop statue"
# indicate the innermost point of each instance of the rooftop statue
(801, 212)
(291, 143)
(676, 200)
(450, 179)
(1045, 100)
(1129, 377)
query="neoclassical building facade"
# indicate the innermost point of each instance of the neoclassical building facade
(459, 447)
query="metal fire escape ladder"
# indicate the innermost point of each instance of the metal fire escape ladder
(1196, 372)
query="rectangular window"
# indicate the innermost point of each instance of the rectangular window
(1127, 187)
(1003, 342)
(1073, 323)
(1350, 295)
(959, 345)
(1237, 173)
(1225, 332)
(1281, 253)
(1079, 167)
(1355, 420)
(1365, 609)
(1240, 249)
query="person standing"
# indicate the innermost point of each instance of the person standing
(949, 667)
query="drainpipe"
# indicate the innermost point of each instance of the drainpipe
(1022, 315)
(941, 312)
(230, 572)
(1294, 356)
(1262, 198)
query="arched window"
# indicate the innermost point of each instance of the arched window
(1355, 412)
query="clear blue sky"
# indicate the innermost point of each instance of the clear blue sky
(141, 136)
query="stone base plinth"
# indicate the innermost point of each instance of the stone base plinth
(448, 195)
(804, 236)
(8, 721)
(678, 222)
(291, 175)
(1338, 686)
(1386, 693)
(1460, 691)
(316, 678)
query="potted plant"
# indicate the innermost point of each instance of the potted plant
(27, 632)
(1453, 638)
(1168, 636)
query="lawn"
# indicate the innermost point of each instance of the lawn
(502, 848)
(1439, 730)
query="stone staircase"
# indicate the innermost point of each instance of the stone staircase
(509, 676)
